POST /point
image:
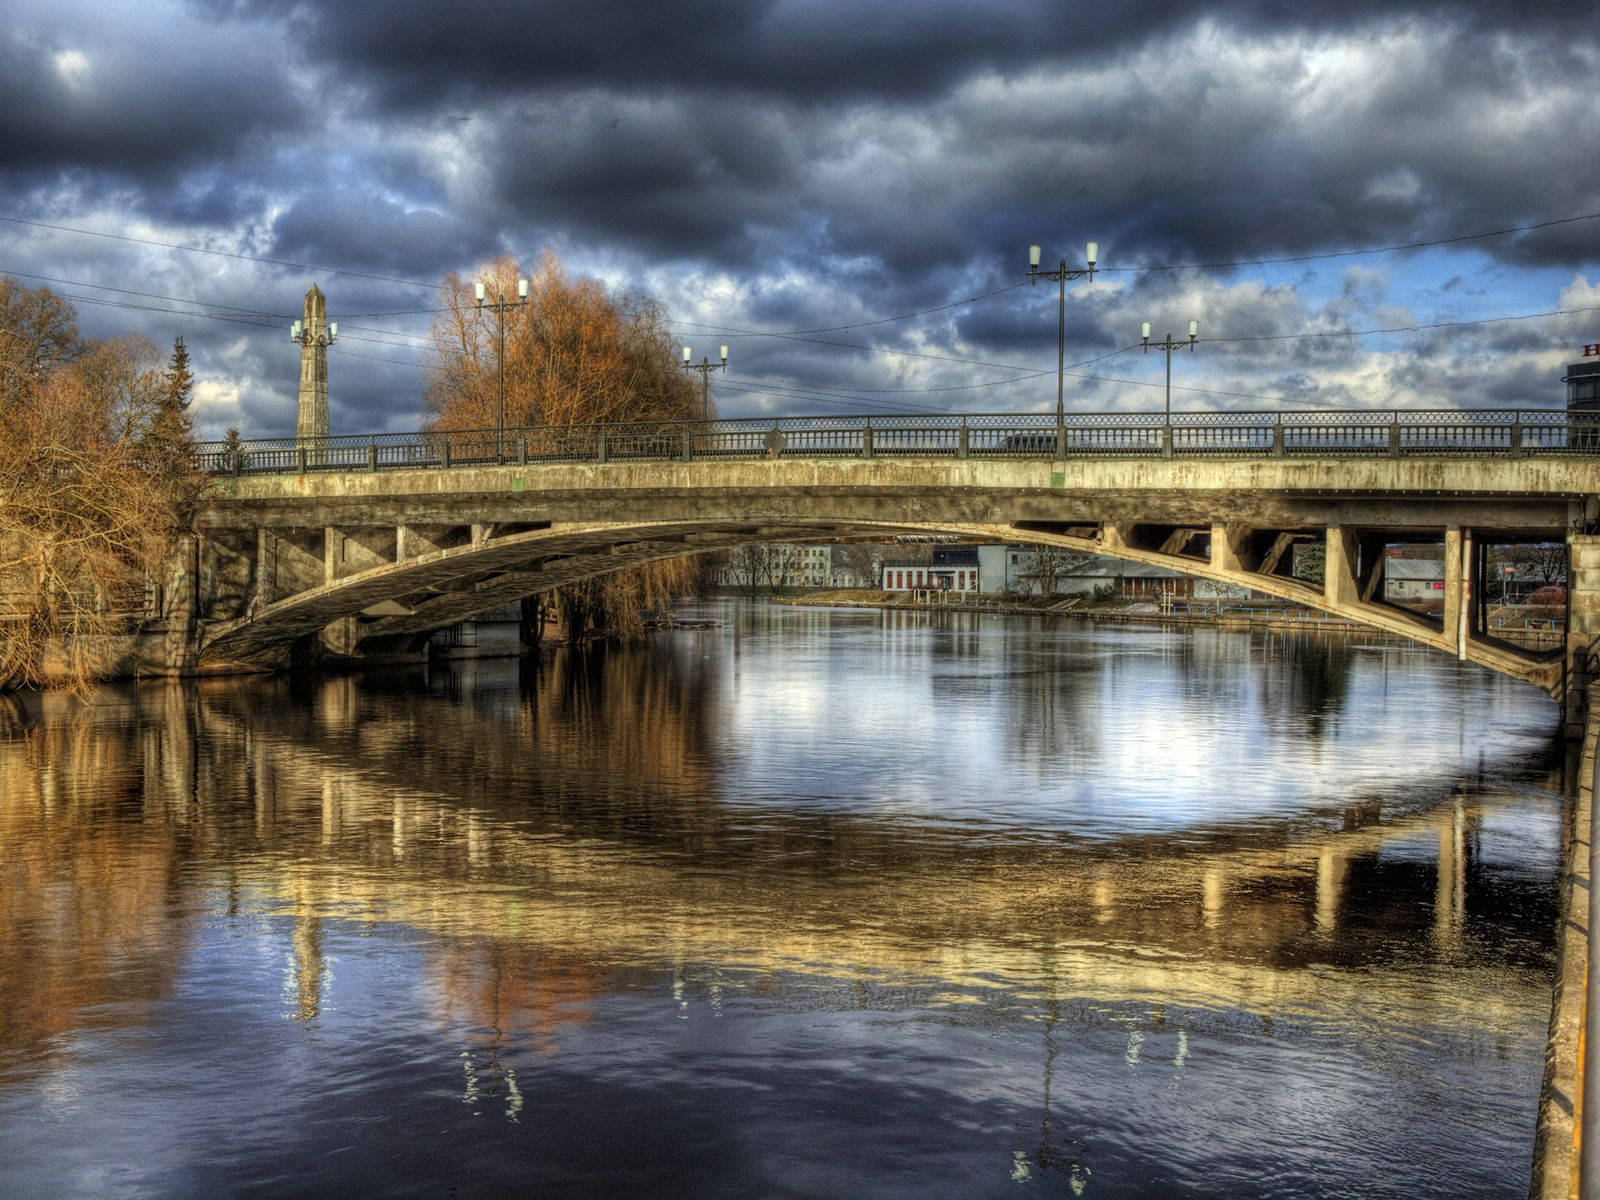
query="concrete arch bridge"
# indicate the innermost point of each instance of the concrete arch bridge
(367, 555)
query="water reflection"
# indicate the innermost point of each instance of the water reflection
(841, 899)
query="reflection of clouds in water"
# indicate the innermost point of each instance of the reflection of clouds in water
(1098, 730)
(546, 896)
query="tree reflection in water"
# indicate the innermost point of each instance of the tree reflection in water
(1137, 871)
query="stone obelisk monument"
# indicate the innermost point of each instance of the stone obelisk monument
(314, 337)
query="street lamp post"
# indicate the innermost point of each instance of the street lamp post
(705, 366)
(1169, 346)
(1061, 274)
(499, 306)
(325, 335)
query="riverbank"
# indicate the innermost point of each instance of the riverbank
(1557, 1143)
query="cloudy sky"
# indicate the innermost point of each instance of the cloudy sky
(830, 172)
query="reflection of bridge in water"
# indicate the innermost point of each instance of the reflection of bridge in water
(1260, 926)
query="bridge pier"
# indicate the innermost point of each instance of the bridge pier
(1583, 627)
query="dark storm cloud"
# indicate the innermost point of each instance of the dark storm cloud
(374, 233)
(1202, 147)
(785, 166)
(418, 52)
(119, 98)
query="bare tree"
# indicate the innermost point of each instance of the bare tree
(574, 355)
(84, 518)
(1050, 563)
(749, 565)
(861, 561)
(781, 560)
(1545, 562)
(38, 333)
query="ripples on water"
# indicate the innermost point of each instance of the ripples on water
(815, 904)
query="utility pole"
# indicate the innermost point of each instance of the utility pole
(499, 306)
(1169, 346)
(1062, 275)
(705, 366)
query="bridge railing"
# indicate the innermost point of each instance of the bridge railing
(1500, 433)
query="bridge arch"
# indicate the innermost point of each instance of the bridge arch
(417, 593)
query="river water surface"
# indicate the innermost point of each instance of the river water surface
(816, 903)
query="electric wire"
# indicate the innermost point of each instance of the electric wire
(1299, 258)
(274, 262)
(264, 319)
(223, 317)
(1284, 337)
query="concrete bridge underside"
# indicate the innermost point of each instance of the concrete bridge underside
(368, 560)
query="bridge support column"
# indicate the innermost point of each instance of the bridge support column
(1455, 581)
(1339, 583)
(1230, 547)
(331, 539)
(351, 551)
(413, 541)
(1583, 626)
(298, 562)
(1114, 537)
(173, 633)
(265, 549)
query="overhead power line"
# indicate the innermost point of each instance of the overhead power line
(252, 322)
(1298, 258)
(959, 387)
(272, 262)
(921, 312)
(1253, 262)
(398, 362)
(832, 401)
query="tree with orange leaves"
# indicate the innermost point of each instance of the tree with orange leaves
(94, 485)
(574, 355)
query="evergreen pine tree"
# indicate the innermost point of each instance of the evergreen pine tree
(167, 439)
(180, 381)
(171, 429)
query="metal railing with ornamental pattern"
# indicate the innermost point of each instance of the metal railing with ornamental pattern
(1508, 433)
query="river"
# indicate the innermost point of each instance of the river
(814, 903)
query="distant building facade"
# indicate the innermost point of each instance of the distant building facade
(1583, 381)
(1413, 579)
(1017, 571)
(779, 564)
(951, 569)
